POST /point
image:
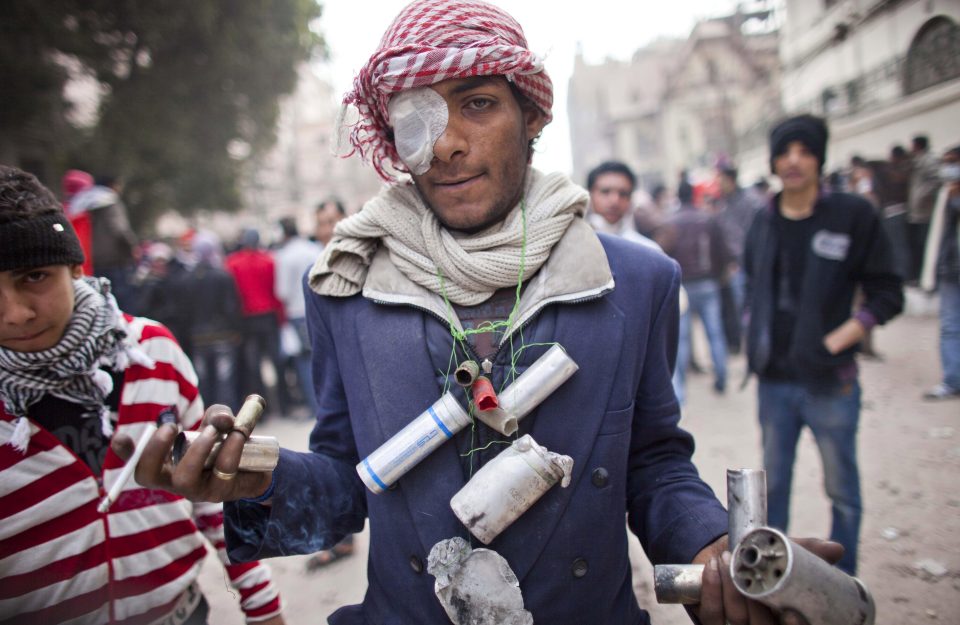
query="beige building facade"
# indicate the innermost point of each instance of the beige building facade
(682, 104)
(881, 71)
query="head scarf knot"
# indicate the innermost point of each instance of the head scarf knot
(431, 41)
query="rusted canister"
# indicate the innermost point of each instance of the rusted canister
(504, 488)
(466, 373)
(406, 448)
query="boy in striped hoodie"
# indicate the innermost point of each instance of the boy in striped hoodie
(74, 370)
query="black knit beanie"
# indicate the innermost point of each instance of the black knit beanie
(809, 130)
(34, 232)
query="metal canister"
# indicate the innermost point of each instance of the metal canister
(413, 443)
(260, 453)
(746, 502)
(504, 488)
(770, 568)
(527, 392)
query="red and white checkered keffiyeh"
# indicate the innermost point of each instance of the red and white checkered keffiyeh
(431, 41)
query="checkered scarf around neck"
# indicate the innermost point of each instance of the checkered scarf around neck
(472, 266)
(96, 337)
(431, 41)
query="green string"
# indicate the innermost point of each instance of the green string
(460, 337)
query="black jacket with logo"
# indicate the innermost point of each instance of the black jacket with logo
(848, 249)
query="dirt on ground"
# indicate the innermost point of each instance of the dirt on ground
(909, 458)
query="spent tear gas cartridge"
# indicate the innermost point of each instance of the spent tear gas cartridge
(413, 443)
(504, 488)
(529, 390)
(746, 502)
(772, 569)
(259, 454)
(746, 509)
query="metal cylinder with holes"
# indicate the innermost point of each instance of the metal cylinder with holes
(772, 569)
(746, 510)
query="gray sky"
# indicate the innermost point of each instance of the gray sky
(604, 28)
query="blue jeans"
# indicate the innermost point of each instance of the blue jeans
(704, 296)
(785, 408)
(302, 361)
(215, 364)
(950, 333)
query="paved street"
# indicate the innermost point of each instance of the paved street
(909, 450)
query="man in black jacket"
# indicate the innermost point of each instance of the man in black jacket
(804, 258)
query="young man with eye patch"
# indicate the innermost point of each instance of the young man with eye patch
(478, 239)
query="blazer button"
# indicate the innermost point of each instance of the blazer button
(600, 477)
(416, 564)
(579, 568)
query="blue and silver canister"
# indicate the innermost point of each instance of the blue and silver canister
(416, 441)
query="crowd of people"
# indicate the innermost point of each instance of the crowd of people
(469, 259)
(246, 298)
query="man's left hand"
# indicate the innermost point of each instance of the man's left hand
(846, 335)
(722, 603)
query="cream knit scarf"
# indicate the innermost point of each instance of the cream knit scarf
(472, 266)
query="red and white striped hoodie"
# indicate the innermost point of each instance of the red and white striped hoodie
(63, 562)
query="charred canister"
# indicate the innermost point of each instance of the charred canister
(416, 441)
(504, 488)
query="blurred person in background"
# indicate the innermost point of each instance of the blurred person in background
(254, 271)
(328, 213)
(892, 186)
(216, 321)
(805, 256)
(74, 181)
(921, 196)
(735, 209)
(696, 241)
(860, 180)
(942, 271)
(75, 374)
(649, 216)
(611, 185)
(113, 241)
(293, 258)
(157, 287)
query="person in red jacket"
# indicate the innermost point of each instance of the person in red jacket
(75, 373)
(254, 271)
(75, 182)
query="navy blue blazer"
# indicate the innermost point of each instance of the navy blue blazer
(618, 413)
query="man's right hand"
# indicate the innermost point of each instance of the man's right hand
(188, 478)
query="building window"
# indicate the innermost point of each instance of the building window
(934, 55)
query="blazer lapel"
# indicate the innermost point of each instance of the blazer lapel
(567, 423)
(402, 386)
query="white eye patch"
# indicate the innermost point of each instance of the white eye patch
(418, 116)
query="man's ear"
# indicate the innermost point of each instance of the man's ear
(533, 118)
(76, 271)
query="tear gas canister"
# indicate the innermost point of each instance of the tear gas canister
(504, 488)
(772, 569)
(413, 443)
